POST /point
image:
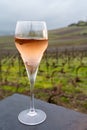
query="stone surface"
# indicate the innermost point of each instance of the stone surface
(58, 118)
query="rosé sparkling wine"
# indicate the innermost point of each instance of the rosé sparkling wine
(31, 40)
(31, 51)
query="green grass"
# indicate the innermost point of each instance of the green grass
(9, 88)
(52, 74)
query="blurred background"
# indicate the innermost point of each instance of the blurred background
(62, 75)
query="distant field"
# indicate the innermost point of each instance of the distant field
(68, 36)
(59, 37)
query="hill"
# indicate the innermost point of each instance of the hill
(67, 36)
(72, 35)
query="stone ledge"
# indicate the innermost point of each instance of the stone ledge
(58, 118)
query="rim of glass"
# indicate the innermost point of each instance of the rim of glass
(21, 21)
(32, 21)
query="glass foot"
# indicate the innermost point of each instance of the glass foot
(32, 118)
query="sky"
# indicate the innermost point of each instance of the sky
(56, 13)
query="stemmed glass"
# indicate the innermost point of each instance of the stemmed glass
(31, 40)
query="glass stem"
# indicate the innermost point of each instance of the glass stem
(32, 72)
(32, 81)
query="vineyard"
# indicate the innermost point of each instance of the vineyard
(61, 79)
(62, 75)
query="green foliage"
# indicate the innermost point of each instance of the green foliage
(61, 80)
(64, 99)
(79, 23)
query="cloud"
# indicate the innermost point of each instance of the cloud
(57, 13)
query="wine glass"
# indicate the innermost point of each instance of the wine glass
(31, 40)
